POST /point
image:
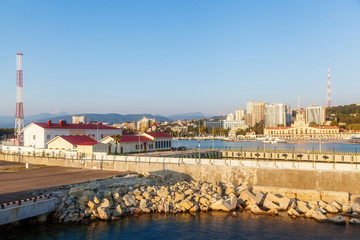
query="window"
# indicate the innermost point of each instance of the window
(151, 146)
(142, 146)
(48, 137)
(102, 136)
(170, 144)
(34, 137)
(137, 147)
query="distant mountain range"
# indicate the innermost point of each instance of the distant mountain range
(111, 118)
(186, 116)
(9, 121)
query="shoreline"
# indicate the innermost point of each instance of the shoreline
(134, 194)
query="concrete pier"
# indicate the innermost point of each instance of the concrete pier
(13, 213)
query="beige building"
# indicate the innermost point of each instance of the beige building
(239, 114)
(257, 111)
(79, 119)
(303, 132)
(88, 148)
(145, 124)
(68, 142)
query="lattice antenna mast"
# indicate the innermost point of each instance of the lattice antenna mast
(19, 114)
(329, 99)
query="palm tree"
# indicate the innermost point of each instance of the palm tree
(116, 138)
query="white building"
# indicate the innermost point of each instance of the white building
(239, 114)
(144, 142)
(277, 114)
(315, 114)
(78, 119)
(230, 117)
(39, 134)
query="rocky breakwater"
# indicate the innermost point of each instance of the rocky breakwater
(136, 194)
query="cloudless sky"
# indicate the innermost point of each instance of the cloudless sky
(178, 56)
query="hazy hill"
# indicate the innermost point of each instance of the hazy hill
(110, 118)
(186, 116)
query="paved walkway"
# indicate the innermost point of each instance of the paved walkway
(15, 185)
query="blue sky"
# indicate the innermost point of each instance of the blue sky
(166, 57)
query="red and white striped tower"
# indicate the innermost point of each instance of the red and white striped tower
(19, 114)
(329, 99)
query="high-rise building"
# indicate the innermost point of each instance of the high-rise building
(257, 109)
(315, 114)
(145, 124)
(79, 119)
(277, 114)
(239, 114)
(230, 117)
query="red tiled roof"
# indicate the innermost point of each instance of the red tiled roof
(75, 126)
(77, 139)
(134, 139)
(327, 127)
(88, 143)
(159, 134)
(276, 128)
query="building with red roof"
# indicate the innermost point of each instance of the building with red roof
(139, 143)
(69, 142)
(39, 134)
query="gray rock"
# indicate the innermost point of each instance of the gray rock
(105, 203)
(118, 211)
(255, 209)
(284, 203)
(179, 197)
(96, 199)
(76, 191)
(346, 209)
(93, 185)
(354, 221)
(331, 209)
(292, 212)
(338, 220)
(186, 204)
(303, 207)
(104, 213)
(129, 200)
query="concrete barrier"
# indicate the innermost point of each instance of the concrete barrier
(13, 213)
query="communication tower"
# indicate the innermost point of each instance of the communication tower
(19, 114)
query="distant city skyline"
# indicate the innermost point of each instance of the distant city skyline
(170, 57)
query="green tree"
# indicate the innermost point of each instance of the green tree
(258, 128)
(240, 132)
(117, 138)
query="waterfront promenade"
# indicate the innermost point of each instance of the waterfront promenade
(16, 184)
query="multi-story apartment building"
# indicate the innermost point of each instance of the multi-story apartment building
(239, 114)
(257, 111)
(277, 114)
(315, 114)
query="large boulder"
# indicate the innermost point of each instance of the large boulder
(91, 205)
(179, 197)
(309, 213)
(105, 203)
(249, 198)
(186, 204)
(284, 203)
(205, 202)
(355, 207)
(76, 191)
(143, 206)
(118, 211)
(104, 213)
(303, 207)
(319, 216)
(129, 200)
(354, 221)
(96, 199)
(255, 209)
(93, 185)
(225, 205)
(346, 209)
(292, 212)
(83, 200)
(331, 209)
(340, 220)
(117, 197)
(270, 205)
(273, 198)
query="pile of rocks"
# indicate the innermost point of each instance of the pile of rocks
(97, 200)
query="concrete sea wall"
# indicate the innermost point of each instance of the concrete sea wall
(320, 182)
